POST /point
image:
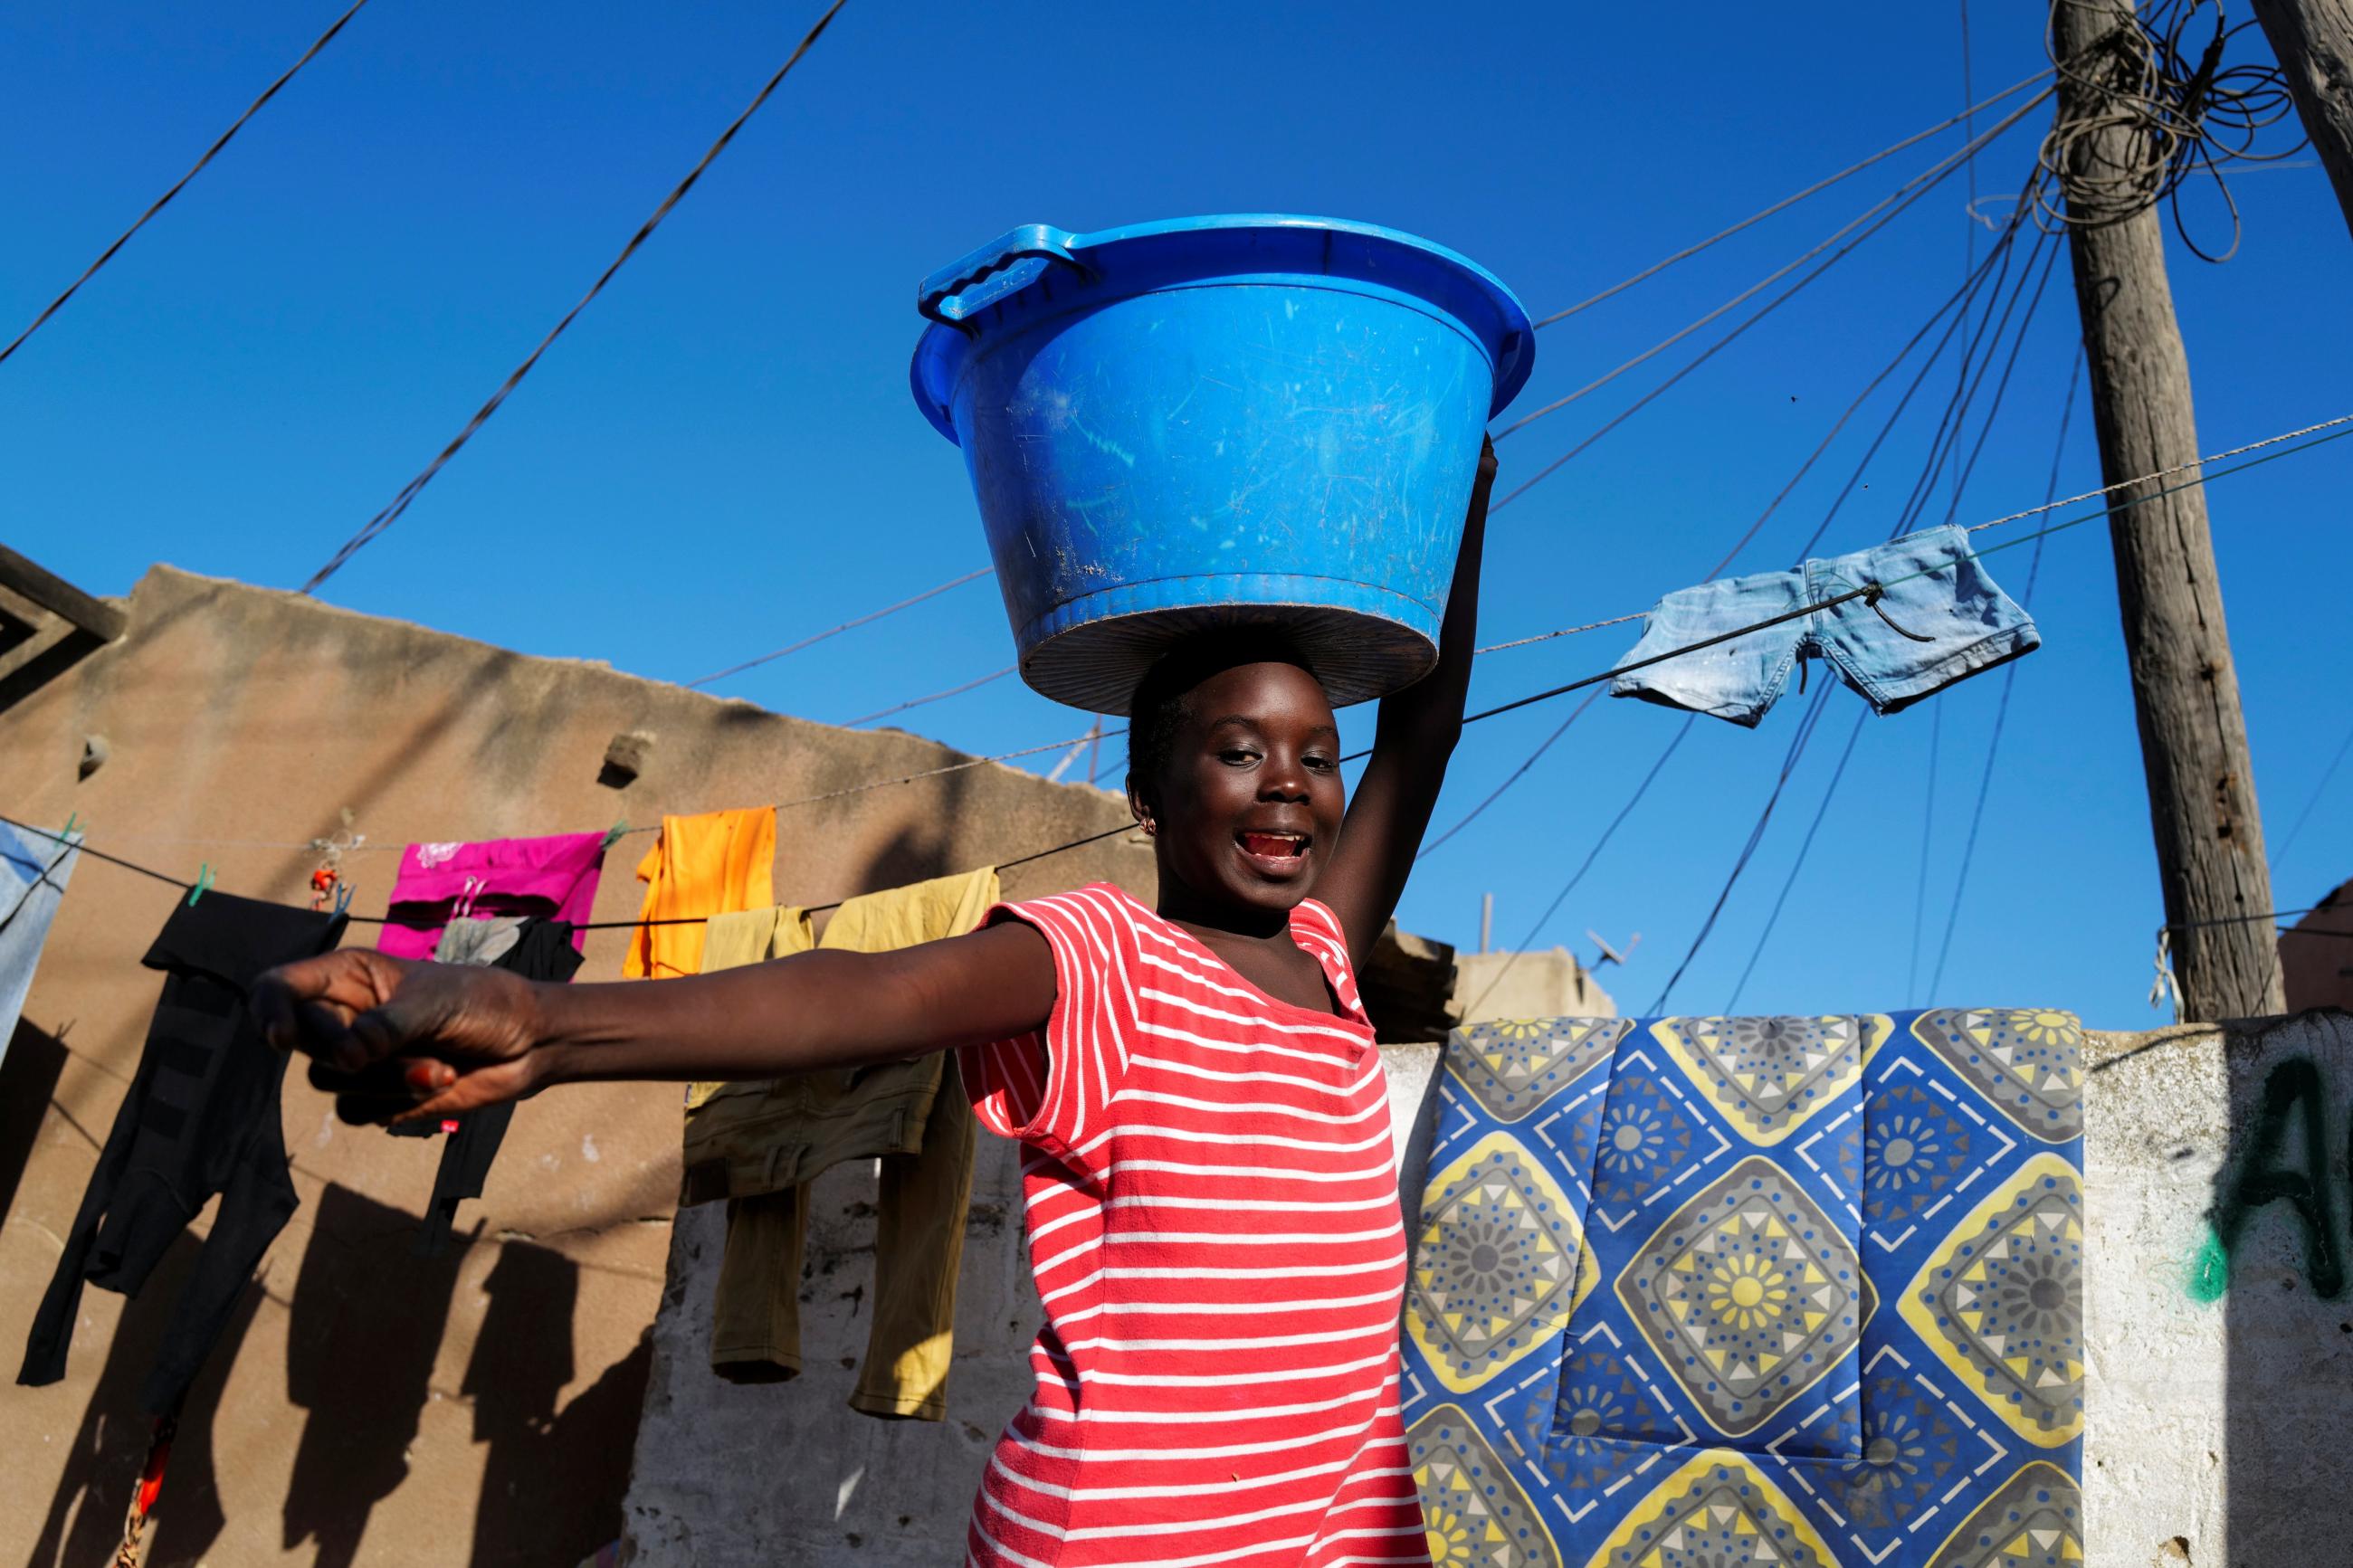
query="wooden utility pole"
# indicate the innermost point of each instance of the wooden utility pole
(2193, 739)
(2313, 40)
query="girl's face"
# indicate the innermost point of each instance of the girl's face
(1248, 811)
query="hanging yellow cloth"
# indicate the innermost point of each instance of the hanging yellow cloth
(700, 866)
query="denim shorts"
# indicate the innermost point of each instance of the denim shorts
(1957, 622)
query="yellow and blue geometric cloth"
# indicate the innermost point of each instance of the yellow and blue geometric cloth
(1804, 1292)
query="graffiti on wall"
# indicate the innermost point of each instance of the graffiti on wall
(2285, 1159)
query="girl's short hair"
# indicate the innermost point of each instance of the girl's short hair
(1163, 697)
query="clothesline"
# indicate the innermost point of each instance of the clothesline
(1870, 592)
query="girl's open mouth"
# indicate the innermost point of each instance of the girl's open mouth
(1277, 853)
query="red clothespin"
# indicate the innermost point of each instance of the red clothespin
(323, 885)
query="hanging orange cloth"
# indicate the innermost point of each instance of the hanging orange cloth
(717, 863)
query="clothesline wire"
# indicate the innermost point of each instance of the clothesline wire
(1899, 198)
(163, 200)
(1870, 591)
(377, 525)
(1793, 199)
(1878, 224)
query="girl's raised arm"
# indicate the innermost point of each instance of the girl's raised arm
(1415, 737)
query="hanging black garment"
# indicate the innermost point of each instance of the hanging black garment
(542, 950)
(201, 1118)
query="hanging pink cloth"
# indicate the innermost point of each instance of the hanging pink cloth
(553, 876)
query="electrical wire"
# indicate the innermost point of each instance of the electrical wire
(1733, 335)
(933, 697)
(163, 200)
(1584, 865)
(2008, 682)
(1869, 221)
(2137, 121)
(1804, 846)
(1798, 742)
(1789, 201)
(2318, 790)
(850, 624)
(377, 525)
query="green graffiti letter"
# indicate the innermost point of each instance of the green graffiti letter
(2292, 1098)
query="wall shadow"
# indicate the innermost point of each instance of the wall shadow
(2281, 1259)
(84, 1521)
(363, 1330)
(28, 1081)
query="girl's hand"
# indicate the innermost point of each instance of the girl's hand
(448, 1037)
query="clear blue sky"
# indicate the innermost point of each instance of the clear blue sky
(722, 455)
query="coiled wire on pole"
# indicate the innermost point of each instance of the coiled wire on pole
(2159, 76)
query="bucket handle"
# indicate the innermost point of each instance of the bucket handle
(995, 272)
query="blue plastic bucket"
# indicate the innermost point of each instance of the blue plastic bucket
(1253, 421)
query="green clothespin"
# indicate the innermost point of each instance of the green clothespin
(613, 835)
(203, 882)
(71, 822)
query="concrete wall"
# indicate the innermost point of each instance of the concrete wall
(366, 1407)
(2220, 1375)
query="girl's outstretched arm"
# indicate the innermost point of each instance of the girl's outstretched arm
(460, 1038)
(1416, 736)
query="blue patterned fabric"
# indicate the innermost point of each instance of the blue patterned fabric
(1705, 1292)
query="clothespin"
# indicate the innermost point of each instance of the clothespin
(71, 822)
(343, 897)
(204, 883)
(2165, 984)
(613, 835)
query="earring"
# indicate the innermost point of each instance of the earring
(1149, 828)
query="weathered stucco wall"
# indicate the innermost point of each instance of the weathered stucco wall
(367, 1407)
(2220, 1378)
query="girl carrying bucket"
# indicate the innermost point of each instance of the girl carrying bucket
(1210, 1202)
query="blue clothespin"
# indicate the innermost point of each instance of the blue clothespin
(203, 882)
(343, 896)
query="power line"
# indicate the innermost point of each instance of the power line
(1903, 196)
(2318, 789)
(1585, 865)
(1468, 818)
(851, 624)
(933, 697)
(408, 492)
(1804, 846)
(1768, 308)
(1789, 201)
(197, 168)
(1805, 732)
(2009, 681)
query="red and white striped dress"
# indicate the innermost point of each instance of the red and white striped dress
(1213, 1224)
